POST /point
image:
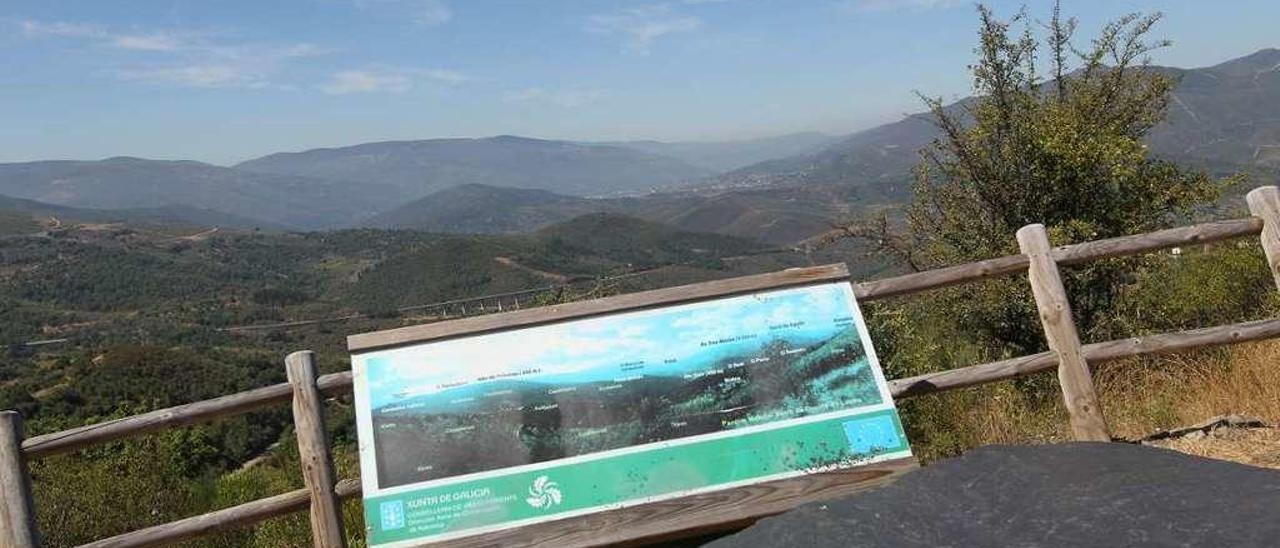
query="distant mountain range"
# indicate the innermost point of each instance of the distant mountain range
(581, 169)
(1225, 115)
(418, 168)
(1225, 118)
(132, 183)
(719, 157)
(328, 188)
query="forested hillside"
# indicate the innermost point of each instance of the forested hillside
(144, 311)
(783, 215)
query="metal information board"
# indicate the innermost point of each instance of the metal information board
(504, 429)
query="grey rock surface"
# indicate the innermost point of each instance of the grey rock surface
(1076, 494)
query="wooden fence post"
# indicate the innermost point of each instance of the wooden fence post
(1087, 423)
(313, 451)
(1264, 203)
(17, 514)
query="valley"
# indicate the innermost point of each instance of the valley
(134, 251)
(128, 252)
(432, 257)
(190, 195)
(105, 318)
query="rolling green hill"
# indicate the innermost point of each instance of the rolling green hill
(143, 315)
(24, 217)
(776, 216)
(453, 266)
(483, 209)
(126, 282)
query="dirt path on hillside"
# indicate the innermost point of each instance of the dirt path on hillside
(508, 262)
(204, 235)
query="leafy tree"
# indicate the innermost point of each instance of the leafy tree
(1063, 148)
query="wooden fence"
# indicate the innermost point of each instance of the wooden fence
(306, 390)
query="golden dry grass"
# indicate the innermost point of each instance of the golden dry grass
(1142, 396)
(1139, 397)
(1255, 446)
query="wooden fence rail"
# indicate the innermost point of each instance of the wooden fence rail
(338, 383)
(305, 389)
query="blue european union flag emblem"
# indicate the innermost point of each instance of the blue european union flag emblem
(392, 514)
(872, 434)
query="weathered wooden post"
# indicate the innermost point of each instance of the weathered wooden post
(1264, 203)
(17, 516)
(313, 451)
(1087, 423)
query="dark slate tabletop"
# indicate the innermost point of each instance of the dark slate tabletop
(1076, 494)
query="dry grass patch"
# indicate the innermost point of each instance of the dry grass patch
(1253, 446)
(1142, 396)
(1139, 397)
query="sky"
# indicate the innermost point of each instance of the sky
(588, 350)
(230, 80)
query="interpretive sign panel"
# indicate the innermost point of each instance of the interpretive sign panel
(512, 427)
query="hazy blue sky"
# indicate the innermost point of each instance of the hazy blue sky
(228, 80)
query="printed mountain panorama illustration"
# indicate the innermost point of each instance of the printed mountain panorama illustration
(505, 422)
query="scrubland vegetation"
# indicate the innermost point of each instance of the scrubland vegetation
(1066, 149)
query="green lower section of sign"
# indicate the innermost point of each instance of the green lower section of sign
(612, 480)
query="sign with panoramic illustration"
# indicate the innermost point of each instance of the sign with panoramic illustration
(470, 434)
